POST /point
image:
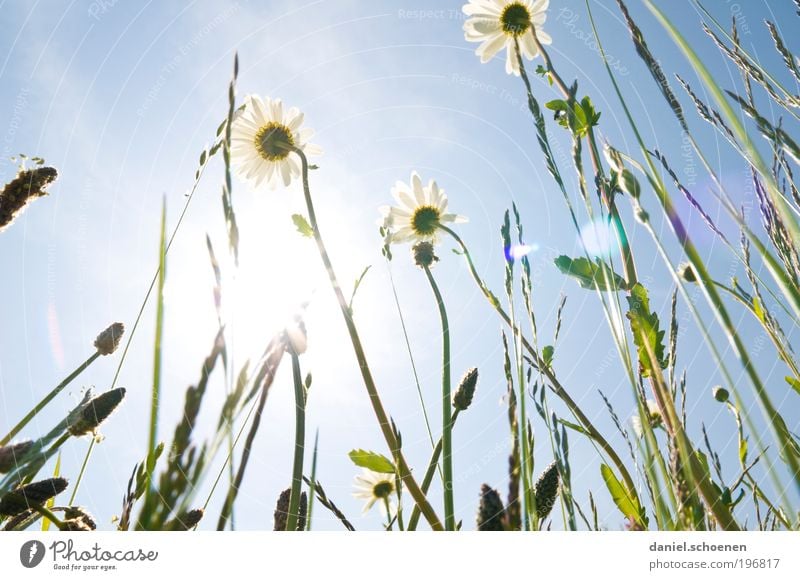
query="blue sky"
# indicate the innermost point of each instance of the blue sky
(122, 97)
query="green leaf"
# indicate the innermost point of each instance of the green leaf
(591, 274)
(794, 383)
(626, 503)
(646, 332)
(52, 501)
(574, 427)
(547, 355)
(303, 228)
(356, 286)
(372, 461)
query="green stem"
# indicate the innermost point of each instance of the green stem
(447, 421)
(429, 474)
(46, 513)
(156, 389)
(50, 396)
(366, 374)
(299, 443)
(312, 482)
(555, 384)
(83, 470)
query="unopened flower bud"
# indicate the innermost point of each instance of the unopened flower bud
(686, 271)
(720, 394)
(424, 256)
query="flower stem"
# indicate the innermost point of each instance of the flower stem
(49, 397)
(299, 443)
(83, 471)
(366, 374)
(447, 421)
(46, 513)
(428, 478)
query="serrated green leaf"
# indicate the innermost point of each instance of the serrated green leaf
(591, 274)
(372, 461)
(303, 228)
(626, 503)
(644, 325)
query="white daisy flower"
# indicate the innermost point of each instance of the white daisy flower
(497, 23)
(375, 487)
(261, 138)
(419, 213)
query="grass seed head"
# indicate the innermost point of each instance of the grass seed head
(108, 340)
(26, 186)
(282, 511)
(95, 411)
(20, 499)
(546, 490)
(490, 510)
(466, 390)
(11, 454)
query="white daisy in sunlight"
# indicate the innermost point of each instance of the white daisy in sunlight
(419, 213)
(497, 23)
(262, 138)
(375, 487)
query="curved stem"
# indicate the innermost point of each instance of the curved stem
(49, 397)
(557, 387)
(366, 374)
(299, 444)
(447, 421)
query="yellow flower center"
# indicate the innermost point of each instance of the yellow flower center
(383, 489)
(425, 220)
(273, 141)
(515, 19)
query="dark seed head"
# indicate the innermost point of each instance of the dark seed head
(95, 411)
(546, 490)
(20, 499)
(26, 186)
(282, 511)
(466, 390)
(76, 513)
(185, 521)
(11, 454)
(490, 510)
(108, 340)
